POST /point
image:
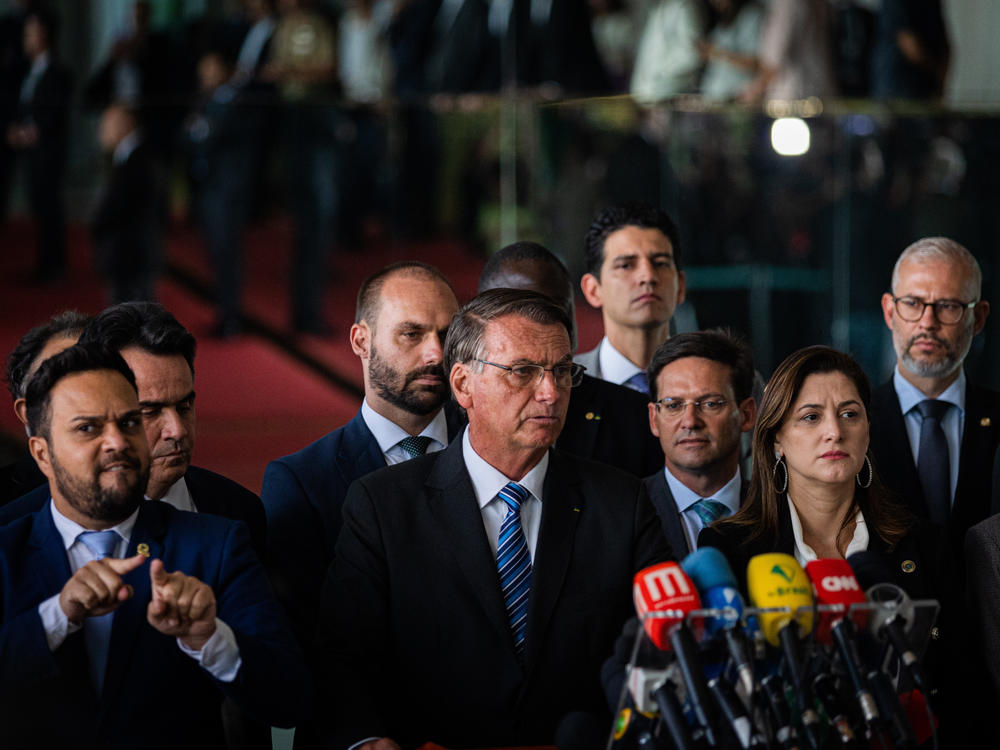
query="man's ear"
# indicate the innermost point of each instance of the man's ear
(681, 287)
(39, 449)
(590, 285)
(360, 338)
(21, 410)
(461, 384)
(980, 312)
(888, 309)
(748, 414)
(654, 427)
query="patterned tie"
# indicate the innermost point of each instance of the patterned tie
(415, 445)
(638, 382)
(710, 511)
(97, 630)
(933, 465)
(514, 564)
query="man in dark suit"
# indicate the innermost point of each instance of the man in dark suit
(128, 225)
(702, 391)
(39, 133)
(634, 278)
(933, 433)
(160, 351)
(476, 591)
(37, 345)
(122, 653)
(604, 421)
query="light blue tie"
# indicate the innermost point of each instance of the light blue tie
(514, 564)
(710, 511)
(638, 382)
(97, 630)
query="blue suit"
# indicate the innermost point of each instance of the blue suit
(154, 695)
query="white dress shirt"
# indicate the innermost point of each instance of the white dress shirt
(220, 656)
(388, 434)
(685, 500)
(953, 422)
(487, 483)
(806, 554)
(180, 496)
(615, 366)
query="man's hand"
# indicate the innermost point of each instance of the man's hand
(182, 606)
(97, 588)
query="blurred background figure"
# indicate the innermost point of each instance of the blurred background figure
(912, 54)
(667, 62)
(303, 65)
(38, 133)
(614, 29)
(256, 45)
(730, 49)
(130, 219)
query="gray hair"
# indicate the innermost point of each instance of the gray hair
(464, 343)
(942, 250)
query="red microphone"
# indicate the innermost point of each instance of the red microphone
(665, 588)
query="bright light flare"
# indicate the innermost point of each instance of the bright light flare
(790, 136)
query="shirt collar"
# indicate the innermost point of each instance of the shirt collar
(179, 496)
(125, 148)
(388, 434)
(806, 554)
(615, 366)
(488, 481)
(909, 395)
(70, 530)
(684, 498)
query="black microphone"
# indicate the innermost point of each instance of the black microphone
(672, 714)
(825, 689)
(774, 691)
(889, 706)
(735, 714)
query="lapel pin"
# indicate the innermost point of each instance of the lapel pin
(985, 422)
(908, 566)
(576, 508)
(142, 549)
(590, 415)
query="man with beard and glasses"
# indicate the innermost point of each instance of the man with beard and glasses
(933, 433)
(124, 623)
(403, 313)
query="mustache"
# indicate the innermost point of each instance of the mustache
(437, 370)
(925, 337)
(115, 458)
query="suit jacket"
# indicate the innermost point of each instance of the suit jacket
(154, 695)
(415, 640)
(19, 478)
(666, 509)
(610, 423)
(592, 361)
(897, 469)
(982, 554)
(211, 492)
(48, 110)
(302, 495)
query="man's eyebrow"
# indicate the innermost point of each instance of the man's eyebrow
(161, 404)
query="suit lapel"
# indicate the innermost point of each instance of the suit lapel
(561, 510)
(451, 500)
(586, 429)
(895, 459)
(670, 517)
(359, 452)
(48, 555)
(130, 618)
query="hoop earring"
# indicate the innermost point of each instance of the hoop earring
(774, 475)
(871, 475)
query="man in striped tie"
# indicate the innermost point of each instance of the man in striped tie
(476, 591)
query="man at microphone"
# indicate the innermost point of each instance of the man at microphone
(475, 592)
(701, 390)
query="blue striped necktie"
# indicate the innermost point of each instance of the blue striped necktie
(97, 630)
(514, 564)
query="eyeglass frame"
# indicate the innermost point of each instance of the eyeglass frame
(933, 305)
(698, 406)
(576, 372)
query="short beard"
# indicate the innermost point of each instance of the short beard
(942, 368)
(419, 401)
(96, 502)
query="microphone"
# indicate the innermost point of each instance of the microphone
(710, 571)
(825, 689)
(835, 584)
(735, 714)
(776, 580)
(666, 588)
(888, 701)
(774, 691)
(894, 614)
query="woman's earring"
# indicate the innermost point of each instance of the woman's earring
(871, 475)
(784, 484)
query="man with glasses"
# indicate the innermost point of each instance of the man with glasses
(476, 591)
(701, 385)
(933, 433)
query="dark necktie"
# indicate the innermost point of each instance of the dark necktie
(415, 445)
(638, 382)
(710, 511)
(514, 564)
(933, 466)
(97, 630)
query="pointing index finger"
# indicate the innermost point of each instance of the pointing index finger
(124, 565)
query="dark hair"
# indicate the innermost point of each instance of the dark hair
(147, 325)
(643, 215)
(464, 342)
(718, 345)
(371, 288)
(760, 512)
(556, 284)
(77, 358)
(68, 324)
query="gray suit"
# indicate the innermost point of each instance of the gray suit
(591, 361)
(982, 563)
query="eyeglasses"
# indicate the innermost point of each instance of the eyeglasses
(673, 408)
(947, 311)
(566, 374)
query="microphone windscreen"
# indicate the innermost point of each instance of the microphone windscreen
(776, 580)
(834, 584)
(663, 588)
(708, 568)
